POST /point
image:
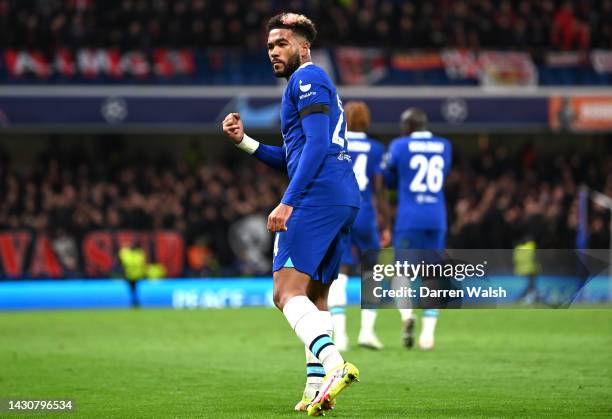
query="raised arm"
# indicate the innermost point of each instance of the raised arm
(271, 155)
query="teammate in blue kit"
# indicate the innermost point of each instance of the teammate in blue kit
(367, 155)
(317, 209)
(417, 165)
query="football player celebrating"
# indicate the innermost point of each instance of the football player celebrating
(318, 208)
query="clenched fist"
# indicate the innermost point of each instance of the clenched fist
(277, 220)
(233, 127)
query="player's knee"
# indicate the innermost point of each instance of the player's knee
(283, 292)
(288, 283)
(322, 303)
(278, 299)
(281, 296)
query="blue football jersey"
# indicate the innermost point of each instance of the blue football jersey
(309, 89)
(366, 154)
(417, 166)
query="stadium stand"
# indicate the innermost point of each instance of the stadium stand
(495, 199)
(443, 42)
(565, 25)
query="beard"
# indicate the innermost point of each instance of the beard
(288, 67)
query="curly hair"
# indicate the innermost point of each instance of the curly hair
(357, 116)
(296, 22)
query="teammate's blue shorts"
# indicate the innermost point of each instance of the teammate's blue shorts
(361, 239)
(419, 243)
(419, 239)
(313, 242)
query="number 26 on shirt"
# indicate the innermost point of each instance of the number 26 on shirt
(430, 173)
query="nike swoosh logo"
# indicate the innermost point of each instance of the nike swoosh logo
(305, 87)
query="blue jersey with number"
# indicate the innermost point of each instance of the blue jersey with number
(367, 155)
(310, 90)
(417, 166)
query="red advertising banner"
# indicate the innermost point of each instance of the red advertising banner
(560, 59)
(492, 68)
(580, 113)
(416, 60)
(360, 65)
(461, 64)
(91, 63)
(25, 254)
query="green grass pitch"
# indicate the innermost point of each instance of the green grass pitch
(247, 363)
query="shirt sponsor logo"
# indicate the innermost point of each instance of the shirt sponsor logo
(426, 199)
(304, 96)
(306, 87)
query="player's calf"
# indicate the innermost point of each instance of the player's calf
(367, 337)
(313, 326)
(337, 308)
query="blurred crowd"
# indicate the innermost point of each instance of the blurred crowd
(131, 24)
(496, 199)
(68, 193)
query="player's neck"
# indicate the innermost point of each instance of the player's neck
(303, 63)
(422, 133)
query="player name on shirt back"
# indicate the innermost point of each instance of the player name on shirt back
(426, 146)
(359, 146)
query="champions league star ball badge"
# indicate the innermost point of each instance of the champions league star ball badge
(455, 110)
(114, 110)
